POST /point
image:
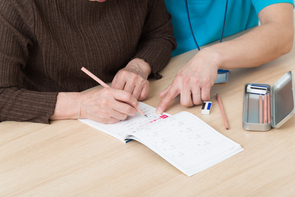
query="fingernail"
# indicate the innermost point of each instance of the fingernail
(159, 110)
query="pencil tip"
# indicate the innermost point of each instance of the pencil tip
(145, 115)
(226, 128)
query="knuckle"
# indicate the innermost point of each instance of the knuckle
(143, 96)
(168, 96)
(198, 102)
(206, 97)
(136, 95)
(178, 78)
(123, 117)
(187, 81)
(132, 78)
(125, 108)
(196, 80)
(179, 75)
(186, 103)
(130, 110)
(104, 102)
(106, 92)
(206, 81)
(103, 121)
(112, 121)
(128, 96)
(123, 72)
(104, 113)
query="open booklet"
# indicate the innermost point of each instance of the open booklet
(184, 140)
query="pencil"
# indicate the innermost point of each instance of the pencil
(265, 108)
(104, 84)
(222, 112)
(260, 109)
(268, 108)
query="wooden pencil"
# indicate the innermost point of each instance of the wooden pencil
(222, 112)
(265, 114)
(260, 109)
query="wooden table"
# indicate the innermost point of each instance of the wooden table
(70, 158)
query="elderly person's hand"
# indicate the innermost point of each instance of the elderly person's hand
(105, 105)
(133, 79)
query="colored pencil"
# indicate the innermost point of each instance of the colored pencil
(268, 109)
(260, 109)
(265, 109)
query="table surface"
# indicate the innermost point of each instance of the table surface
(70, 158)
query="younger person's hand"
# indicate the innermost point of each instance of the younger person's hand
(133, 79)
(193, 82)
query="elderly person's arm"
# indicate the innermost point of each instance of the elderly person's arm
(17, 35)
(153, 52)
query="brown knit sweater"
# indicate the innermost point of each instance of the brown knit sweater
(44, 44)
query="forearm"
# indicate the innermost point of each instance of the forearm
(253, 49)
(24, 105)
(263, 44)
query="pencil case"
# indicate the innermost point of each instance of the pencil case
(281, 103)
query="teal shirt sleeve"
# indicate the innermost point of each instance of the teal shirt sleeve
(260, 4)
(207, 17)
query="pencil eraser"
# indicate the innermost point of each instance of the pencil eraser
(255, 89)
(206, 107)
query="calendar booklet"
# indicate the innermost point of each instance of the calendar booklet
(184, 140)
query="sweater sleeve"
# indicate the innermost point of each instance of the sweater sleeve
(17, 36)
(157, 40)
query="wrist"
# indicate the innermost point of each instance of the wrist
(67, 106)
(142, 65)
(215, 56)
